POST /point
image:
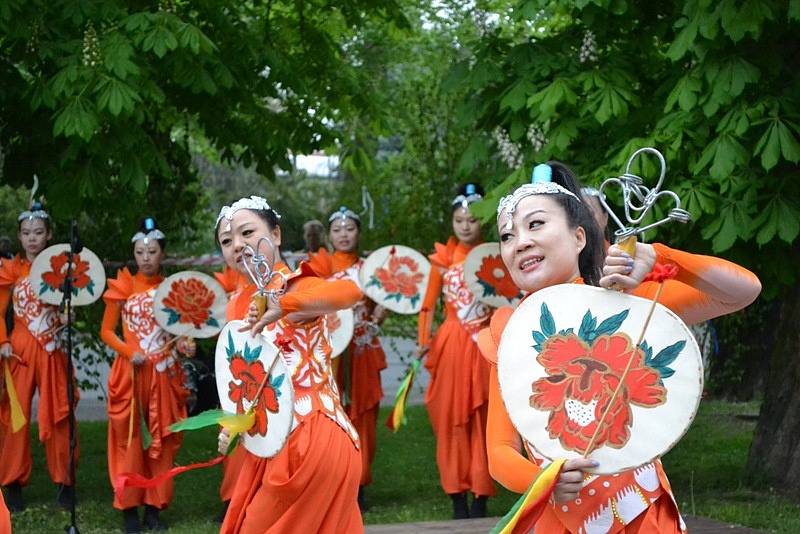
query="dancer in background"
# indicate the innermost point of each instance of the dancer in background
(548, 236)
(458, 394)
(358, 369)
(35, 355)
(146, 391)
(311, 485)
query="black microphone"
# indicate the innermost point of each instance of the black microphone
(75, 245)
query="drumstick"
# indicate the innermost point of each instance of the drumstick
(625, 372)
(264, 382)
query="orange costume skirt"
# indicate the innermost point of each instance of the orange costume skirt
(457, 401)
(310, 486)
(161, 397)
(5, 518)
(361, 396)
(48, 372)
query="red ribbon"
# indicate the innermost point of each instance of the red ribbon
(135, 480)
(661, 272)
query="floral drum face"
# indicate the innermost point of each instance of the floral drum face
(577, 382)
(396, 277)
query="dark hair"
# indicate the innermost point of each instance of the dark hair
(590, 259)
(147, 225)
(269, 216)
(36, 206)
(466, 189)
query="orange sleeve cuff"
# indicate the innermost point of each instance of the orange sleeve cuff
(311, 294)
(426, 314)
(5, 299)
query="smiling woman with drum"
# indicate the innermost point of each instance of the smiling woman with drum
(548, 237)
(311, 484)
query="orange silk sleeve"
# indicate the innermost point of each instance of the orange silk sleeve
(705, 287)
(108, 329)
(507, 464)
(5, 299)
(425, 321)
(8, 277)
(310, 294)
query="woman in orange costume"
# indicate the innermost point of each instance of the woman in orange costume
(458, 394)
(146, 384)
(358, 373)
(36, 358)
(311, 485)
(548, 237)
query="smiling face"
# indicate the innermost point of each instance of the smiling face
(148, 256)
(466, 227)
(245, 228)
(541, 249)
(33, 236)
(344, 235)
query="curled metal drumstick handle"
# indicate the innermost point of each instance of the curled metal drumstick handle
(638, 200)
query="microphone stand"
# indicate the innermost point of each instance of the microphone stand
(66, 303)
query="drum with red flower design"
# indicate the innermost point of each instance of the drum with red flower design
(396, 277)
(564, 353)
(340, 326)
(49, 272)
(253, 377)
(190, 304)
(487, 277)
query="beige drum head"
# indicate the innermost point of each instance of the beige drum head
(50, 269)
(561, 357)
(487, 277)
(396, 277)
(190, 304)
(242, 363)
(340, 328)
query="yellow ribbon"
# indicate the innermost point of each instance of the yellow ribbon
(17, 417)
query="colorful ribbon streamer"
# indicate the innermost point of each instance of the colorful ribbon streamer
(17, 417)
(397, 417)
(528, 509)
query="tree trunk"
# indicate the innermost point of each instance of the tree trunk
(775, 451)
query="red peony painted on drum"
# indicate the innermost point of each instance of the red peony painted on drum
(248, 378)
(189, 302)
(495, 278)
(581, 380)
(333, 321)
(53, 280)
(400, 279)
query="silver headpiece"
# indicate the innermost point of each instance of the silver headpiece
(252, 203)
(509, 203)
(471, 196)
(36, 210)
(343, 214)
(155, 235)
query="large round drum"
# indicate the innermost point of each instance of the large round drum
(396, 277)
(487, 277)
(340, 328)
(190, 304)
(250, 371)
(561, 357)
(49, 270)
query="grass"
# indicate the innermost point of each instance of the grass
(706, 470)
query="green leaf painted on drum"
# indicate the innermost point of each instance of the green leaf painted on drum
(230, 350)
(664, 358)
(249, 355)
(212, 322)
(611, 325)
(276, 382)
(547, 322)
(587, 327)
